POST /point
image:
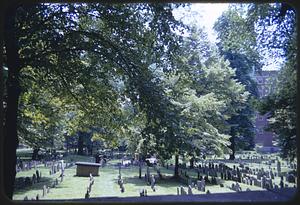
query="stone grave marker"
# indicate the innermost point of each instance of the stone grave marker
(278, 168)
(183, 192)
(33, 179)
(152, 182)
(190, 192)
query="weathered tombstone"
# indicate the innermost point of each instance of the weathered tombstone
(190, 192)
(183, 192)
(87, 194)
(148, 174)
(142, 192)
(189, 181)
(48, 190)
(140, 170)
(271, 174)
(44, 190)
(152, 182)
(207, 192)
(263, 182)
(26, 198)
(122, 189)
(281, 184)
(33, 179)
(206, 179)
(202, 185)
(199, 185)
(278, 168)
(37, 175)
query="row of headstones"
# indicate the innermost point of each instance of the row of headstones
(22, 182)
(182, 191)
(264, 182)
(89, 187)
(47, 189)
(22, 166)
(56, 166)
(230, 173)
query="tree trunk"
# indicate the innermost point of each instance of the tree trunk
(176, 170)
(35, 153)
(80, 143)
(13, 92)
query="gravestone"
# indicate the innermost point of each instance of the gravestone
(33, 179)
(26, 198)
(148, 174)
(122, 188)
(189, 181)
(152, 182)
(263, 182)
(271, 174)
(202, 187)
(87, 194)
(44, 190)
(48, 190)
(182, 190)
(198, 185)
(190, 192)
(281, 184)
(278, 168)
(140, 170)
(37, 176)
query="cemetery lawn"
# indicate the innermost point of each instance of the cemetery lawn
(105, 185)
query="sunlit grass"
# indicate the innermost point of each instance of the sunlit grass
(106, 183)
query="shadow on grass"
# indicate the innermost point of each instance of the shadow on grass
(38, 186)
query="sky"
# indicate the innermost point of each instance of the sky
(205, 15)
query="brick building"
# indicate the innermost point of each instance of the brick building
(265, 84)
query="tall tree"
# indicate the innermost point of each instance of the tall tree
(56, 45)
(237, 43)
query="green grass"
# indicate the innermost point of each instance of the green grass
(106, 183)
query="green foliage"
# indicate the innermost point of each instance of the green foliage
(281, 104)
(281, 107)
